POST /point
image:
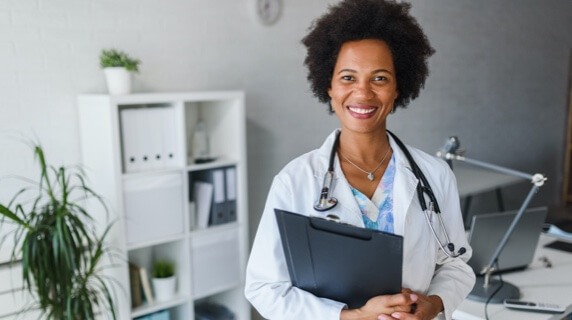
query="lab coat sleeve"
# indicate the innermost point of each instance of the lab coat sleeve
(268, 286)
(453, 278)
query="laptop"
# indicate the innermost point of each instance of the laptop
(487, 231)
(341, 262)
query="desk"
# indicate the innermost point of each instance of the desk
(536, 283)
(473, 180)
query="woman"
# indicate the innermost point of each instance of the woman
(365, 58)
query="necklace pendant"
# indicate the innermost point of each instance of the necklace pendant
(370, 176)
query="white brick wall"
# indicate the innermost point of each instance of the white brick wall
(49, 53)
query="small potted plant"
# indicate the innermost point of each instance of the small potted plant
(164, 282)
(117, 67)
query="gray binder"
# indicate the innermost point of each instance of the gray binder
(338, 261)
(215, 177)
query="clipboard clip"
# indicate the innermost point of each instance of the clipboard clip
(339, 227)
(331, 217)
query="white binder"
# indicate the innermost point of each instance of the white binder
(142, 137)
(130, 140)
(172, 158)
(203, 199)
(153, 137)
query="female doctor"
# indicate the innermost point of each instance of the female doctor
(365, 58)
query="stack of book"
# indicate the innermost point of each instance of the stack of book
(140, 286)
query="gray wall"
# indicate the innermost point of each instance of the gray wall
(498, 79)
(500, 82)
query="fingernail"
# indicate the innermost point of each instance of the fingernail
(396, 315)
(413, 297)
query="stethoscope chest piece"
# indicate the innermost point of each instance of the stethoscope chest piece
(325, 204)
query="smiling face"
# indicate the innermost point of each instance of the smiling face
(364, 85)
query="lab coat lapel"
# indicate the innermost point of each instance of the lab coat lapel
(347, 208)
(404, 188)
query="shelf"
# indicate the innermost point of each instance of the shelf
(221, 162)
(215, 291)
(165, 97)
(145, 244)
(157, 306)
(226, 226)
(149, 173)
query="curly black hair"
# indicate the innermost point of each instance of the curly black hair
(352, 20)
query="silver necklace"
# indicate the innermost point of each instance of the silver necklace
(370, 175)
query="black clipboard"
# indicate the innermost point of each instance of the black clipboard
(338, 261)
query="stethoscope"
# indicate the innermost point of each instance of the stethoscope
(327, 202)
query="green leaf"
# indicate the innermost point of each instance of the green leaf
(12, 216)
(116, 58)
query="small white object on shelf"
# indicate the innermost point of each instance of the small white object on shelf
(164, 288)
(200, 148)
(118, 80)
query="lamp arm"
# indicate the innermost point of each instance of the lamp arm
(489, 268)
(524, 175)
(537, 181)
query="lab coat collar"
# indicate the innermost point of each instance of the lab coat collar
(404, 187)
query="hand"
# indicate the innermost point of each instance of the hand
(426, 308)
(385, 304)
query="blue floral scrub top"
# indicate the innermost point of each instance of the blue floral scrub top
(377, 212)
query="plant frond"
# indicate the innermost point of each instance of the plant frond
(13, 217)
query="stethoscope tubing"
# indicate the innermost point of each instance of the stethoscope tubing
(327, 202)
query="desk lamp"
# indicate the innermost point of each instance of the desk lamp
(485, 286)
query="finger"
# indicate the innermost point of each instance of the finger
(402, 308)
(403, 316)
(412, 295)
(400, 299)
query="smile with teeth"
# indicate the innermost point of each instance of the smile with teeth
(362, 110)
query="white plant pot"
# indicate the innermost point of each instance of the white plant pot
(164, 288)
(118, 80)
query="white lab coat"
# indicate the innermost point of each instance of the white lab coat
(425, 268)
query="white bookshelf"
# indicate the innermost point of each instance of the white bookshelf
(210, 262)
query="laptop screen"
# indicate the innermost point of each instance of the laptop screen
(487, 231)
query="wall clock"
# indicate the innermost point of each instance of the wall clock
(268, 11)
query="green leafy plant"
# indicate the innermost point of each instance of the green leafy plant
(115, 58)
(61, 251)
(163, 269)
